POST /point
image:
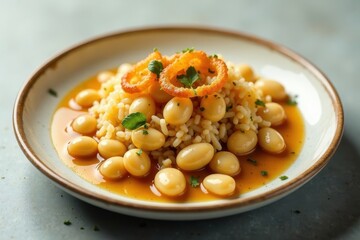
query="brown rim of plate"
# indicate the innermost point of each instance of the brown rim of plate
(292, 184)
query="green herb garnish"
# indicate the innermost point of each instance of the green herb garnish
(258, 102)
(283, 178)
(264, 173)
(252, 161)
(187, 50)
(134, 120)
(292, 101)
(190, 78)
(139, 152)
(213, 56)
(155, 67)
(229, 107)
(145, 132)
(52, 92)
(67, 223)
(194, 181)
(155, 49)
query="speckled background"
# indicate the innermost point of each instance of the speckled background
(326, 32)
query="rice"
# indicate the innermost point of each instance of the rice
(239, 95)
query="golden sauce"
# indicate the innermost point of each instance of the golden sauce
(249, 179)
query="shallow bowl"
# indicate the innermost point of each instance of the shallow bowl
(318, 102)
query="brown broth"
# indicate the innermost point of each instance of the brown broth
(249, 179)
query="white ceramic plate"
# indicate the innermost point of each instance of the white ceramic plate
(318, 102)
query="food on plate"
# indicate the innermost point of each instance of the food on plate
(186, 127)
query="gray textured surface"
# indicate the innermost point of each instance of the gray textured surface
(326, 32)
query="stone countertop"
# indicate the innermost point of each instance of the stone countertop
(325, 31)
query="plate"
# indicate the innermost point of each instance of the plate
(318, 101)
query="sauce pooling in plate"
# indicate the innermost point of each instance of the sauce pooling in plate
(238, 168)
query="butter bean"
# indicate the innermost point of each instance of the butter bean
(273, 113)
(246, 72)
(170, 182)
(145, 105)
(226, 163)
(242, 143)
(87, 97)
(111, 148)
(137, 162)
(271, 140)
(157, 94)
(82, 147)
(147, 139)
(273, 88)
(113, 168)
(84, 124)
(195, 156)
(178, 110)
(213, 107)
(219, 184)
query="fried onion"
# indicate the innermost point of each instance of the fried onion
(202, 64)
(139, 77)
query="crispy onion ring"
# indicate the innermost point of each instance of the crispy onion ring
(202, 63)
(139, 77)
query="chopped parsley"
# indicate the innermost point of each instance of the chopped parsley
(258, 102)
(229, 107)
(145, 132)
(210, 71)
(155, 67)
(213, 56)
(146, 126)
(155, 49)
(292, 101)
(67, 223)
(252, 161)
(52, 92)
(202, 109)
(282, 178)
(134, 120)
(139, 152)
(190, 78)
(297, 211)
(264, 173)
(188, 50)
(194, 181)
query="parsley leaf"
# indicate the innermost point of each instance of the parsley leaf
(52, 92)
(264, 173)
(155, 67)
(134, 120)
(258, 102)
(229, 107)
(139, 152)
(145, 132)
(292, 101)
(194, 181)
(283, 178)
(190, 78)
(252, 161)
(67, 223)
(187, 50)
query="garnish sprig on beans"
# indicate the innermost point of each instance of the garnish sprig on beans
(134, 121)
